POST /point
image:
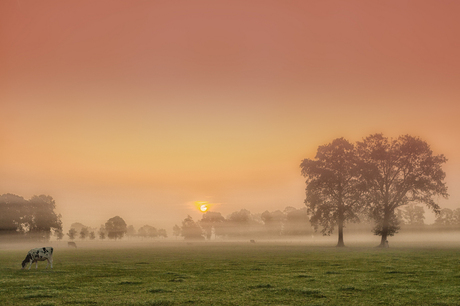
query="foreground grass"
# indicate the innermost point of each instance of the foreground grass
(235, 274)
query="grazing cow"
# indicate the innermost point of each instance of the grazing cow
(72, 244)
(252, 241)
(39, 254)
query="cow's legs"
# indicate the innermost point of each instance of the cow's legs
(50, 262)
(36, 264)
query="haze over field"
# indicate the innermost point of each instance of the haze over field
(141, 108)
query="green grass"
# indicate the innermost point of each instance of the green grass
(235, 274)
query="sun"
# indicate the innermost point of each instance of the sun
(203, 208)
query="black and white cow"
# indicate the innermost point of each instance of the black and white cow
(39, 254)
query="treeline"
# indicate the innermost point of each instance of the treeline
(28, 219)
(115, 228)
(289, 222)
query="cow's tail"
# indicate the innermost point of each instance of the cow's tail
(51, 250)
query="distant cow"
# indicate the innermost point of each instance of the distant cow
(252, 241)
(72, 244)
(39, 254)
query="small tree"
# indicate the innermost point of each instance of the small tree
(413, 214)
(176, 231)
(209, 221)
(84, 233)
(191, 230)
(92, 235)
(162, 233)
(131, 231)
(59, 234)
(116, 228)
(102, 232)
(72, 233)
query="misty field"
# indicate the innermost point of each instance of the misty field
(230, 273)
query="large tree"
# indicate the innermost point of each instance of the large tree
(397, 172)
(34, 218)
(333, 189)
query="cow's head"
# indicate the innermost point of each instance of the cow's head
(25, 261)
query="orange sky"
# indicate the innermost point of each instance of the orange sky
(139, 108)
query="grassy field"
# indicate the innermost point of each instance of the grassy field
(230, 273)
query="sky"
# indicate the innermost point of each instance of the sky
(139, 108)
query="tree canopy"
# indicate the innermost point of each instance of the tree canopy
(333, 187)
(397, 172)
(116, 228)
(35, 218)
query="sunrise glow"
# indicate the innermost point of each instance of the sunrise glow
(136, 107)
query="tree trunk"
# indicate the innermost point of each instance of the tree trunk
(385, 228)
(340, 243)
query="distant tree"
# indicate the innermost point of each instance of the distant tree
(240, 223)
(445, 217)
(148, 231)
(273, 222)
(191, 230)
(116, 228)
(176, 231)
(92, 235)
(102, 232)
(456, 216)
(78, 226)
(72, 233)
(59, 234)
(131, 231)
(210, 221)
(84, 232)
(297, 222)
(334, 191)
(398, 172)
(413, 214)
(162, 233)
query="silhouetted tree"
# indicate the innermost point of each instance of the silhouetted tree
(273, 222)
(35, 218)
(210, 221)
(102, 232)
(72, 233)
(13, 215)
(176, 231)
(162, 233)
(412, 214)
(148, 231)
(297, 221)
(445, 217)
(333, 191)
(398, 172)
(43, 217)
(131, 231)
(59, 234)
(241, 223)
(116, 228)
(84, 232)
(92, 235)
(191, 230)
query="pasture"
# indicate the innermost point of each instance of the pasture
(230, 273)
